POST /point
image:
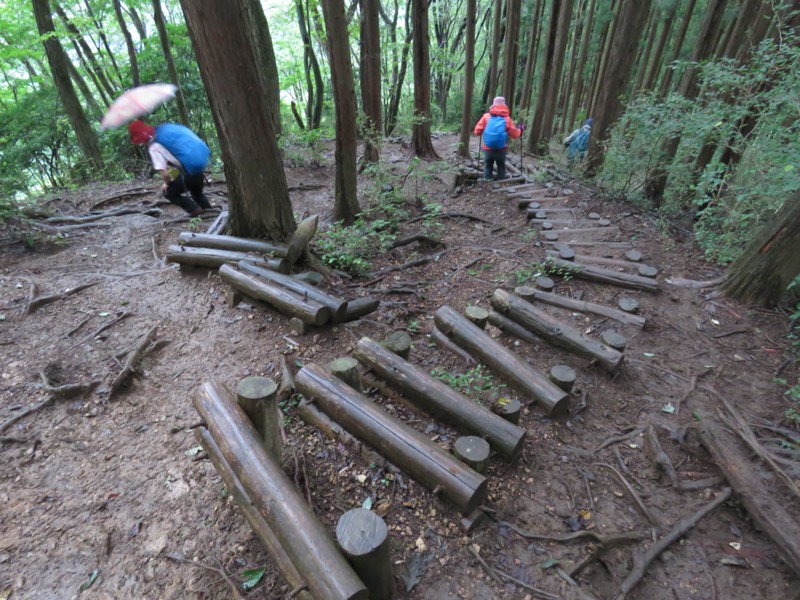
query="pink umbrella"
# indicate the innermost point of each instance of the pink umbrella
(136, 102)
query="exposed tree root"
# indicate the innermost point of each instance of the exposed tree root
(218, 570)
(496, 574)
(147, 344)
(137, 191)
(604, 539)
(637, 500)
(677, 532)
(413, 263)
(35, 303)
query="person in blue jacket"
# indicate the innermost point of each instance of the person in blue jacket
(176, 179)
(576, 142)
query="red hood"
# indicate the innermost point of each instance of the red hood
(499, 110)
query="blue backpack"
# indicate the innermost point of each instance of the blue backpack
(578, 145)
(184, 145)
(495, 135)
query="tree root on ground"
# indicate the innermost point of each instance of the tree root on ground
(680, 529)
(34, 303)
(147, 344)
(496, 575)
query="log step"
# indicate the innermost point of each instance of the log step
(591, 273)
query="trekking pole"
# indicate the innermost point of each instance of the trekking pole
(478, 153)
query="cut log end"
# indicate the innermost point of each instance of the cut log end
(510, 410)
(563, 376)
(346, 369)
(614, 339)
(544, 283)
(473, 520)
(255, 388)
(398, 342)
(629, 305)
(550, 236)
(298, 326)
(477, 315)
(472, 451)
(648, 271)
(360, 532)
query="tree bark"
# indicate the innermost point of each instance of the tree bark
(299, 532)
(591, 273)
(503, 361)
(371, 80)
(530, 59)
(402, 445)
(267, 66)
(439, 399)
(166, 50)
(229, 242)
(763, 272)
(656, 63)
(583, 306)
(59, 67)
(345, 207)
(316, 90)
(208, 257)
(615, 79)
(666, 80)
(469, 82)
(258, 195)
(511, 50)
(134, 64)
(494, 55)
(421, 134)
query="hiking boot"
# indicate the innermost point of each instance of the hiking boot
(196, 212)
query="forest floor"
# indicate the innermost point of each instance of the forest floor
(109, 498)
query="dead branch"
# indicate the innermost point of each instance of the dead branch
(583, 595)
(618, 438)
(604, 539)
(218, 570)
(680, 529)
(122, 316)
(663, 463)
(692, 283)
(78, 326)
(412, 263)
(131, 209)
(646, 512)
(417, 237)
(495, 574)
(147, 344)
(7, 439)
(450, 215)
(35, 303)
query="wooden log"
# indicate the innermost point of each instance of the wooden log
(585, 231)
(550, 236)
(282, 299)
(633, 255)
(503, 361)
(525, 201)
(311, 415)
(563, 376)
(509, 409)
(443, 341)
(258, 398)
(548, 211)
(779, 519)
(473, 520)
(440, 400)
(600, 260)
(472, 451)
(594, 243)
(310, 277)
(477, 315)
(364, 539)
(410, 450)
(582, 306)
(207, 257)
(531, 188)
(229, 242)
(298, 326)
(503, 323)
(300, 238)
(533, 219)
(544, 283)
(591, 273)
(629, 305)
(398, 342)
(360, 307)
(648, 271)
(346, 369)
(502, 184)
(614, 339)
(219, 224)
(337, 306)
(257, 523)
(556, 332)
(547, 226)
(565, 252)
(298, 531)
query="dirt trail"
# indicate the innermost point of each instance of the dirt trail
(115, 487)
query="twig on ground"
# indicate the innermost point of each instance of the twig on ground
(413, 263)
(417, 237)
(218, 570)
(35, 303)
(450, 215)
(78, 326)
(147, 344)
(604, 539)
(646, 512)
(121, 317)
(496, 574)
(692, 384)
(583, 595)
(489, 570)
(619, 438)
(8, 439)
(677, 532)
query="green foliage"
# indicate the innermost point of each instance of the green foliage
(477, 383)
(792, 414)
(733, 199)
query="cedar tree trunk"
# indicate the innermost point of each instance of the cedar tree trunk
(421, 136)
(469, 81)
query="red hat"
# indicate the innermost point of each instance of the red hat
(141, 133)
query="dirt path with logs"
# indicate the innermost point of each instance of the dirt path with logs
(665, 473)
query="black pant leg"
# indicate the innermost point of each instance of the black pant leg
(195, 184)
(174, 193)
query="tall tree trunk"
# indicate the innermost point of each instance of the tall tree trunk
(704, 46)
(421, 133)
(511, 50)
(666, 80)
(469, 81)
(257, 191)
(770, 262)
(104, 38)
(345, 207)
(494, 56)
(128, 44)
(530, 60)
(632, 14)
(602, 60)
(59, 67)
(580, 73)
(371, 80)
(138, 24)
(96, 70)
(265, 55)
(644, 54)
(396, 91)
(655, 65)
(94, 108)
(317, 91)
(161, 26)
(558, 34)
(568, 85)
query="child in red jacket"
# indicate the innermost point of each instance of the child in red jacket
(496, 127)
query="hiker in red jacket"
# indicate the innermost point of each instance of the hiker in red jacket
(496, 127)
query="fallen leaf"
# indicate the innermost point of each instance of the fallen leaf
(194, 451)
(92, 579)
(252, 577)
(668, 408)
(648, 354)
(735, 545)
(367, 503)
(549, 563)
